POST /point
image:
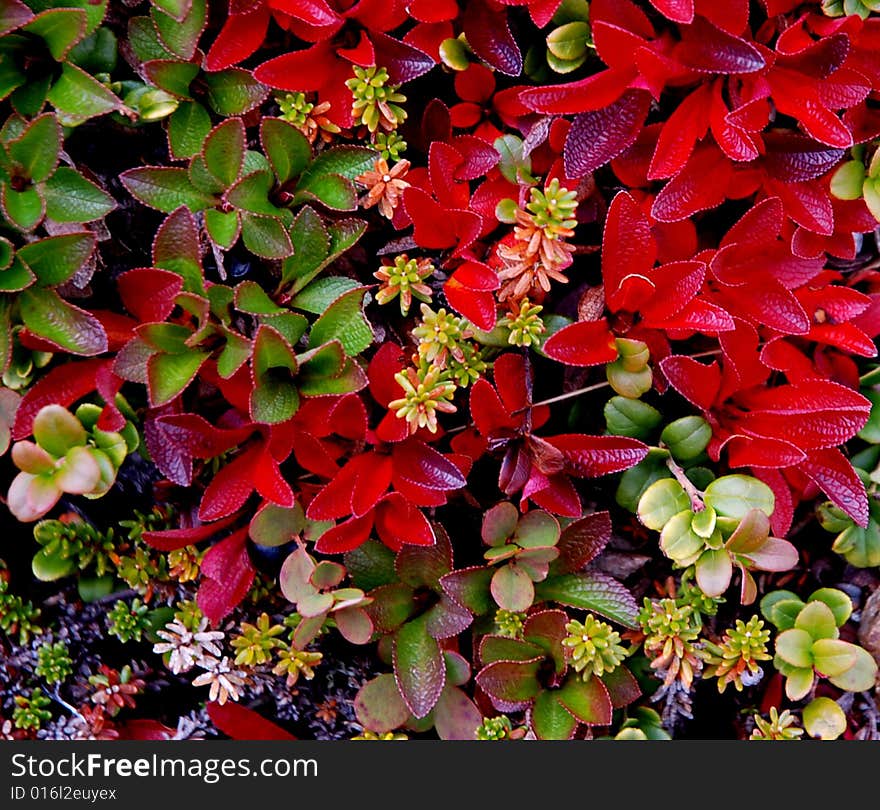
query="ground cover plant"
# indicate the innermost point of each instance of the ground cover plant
(463, 369)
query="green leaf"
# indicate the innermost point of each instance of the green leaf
(288, 150)
(636, 480)
(36, 151)
(344, 321)
(798, 682)
(272, 351)
(251, 194)
(550, 720)
(290, 325)
(371, 565)
(419, 667)
(734, 495)
(714, 570)
(265, 236)
(344, 233)
(469, 587)
(781, 608)
(832, 657)
(513, 166)
(250, 297)
(144, 40)
(28, 100)
(276, 525)
(50, 566)
(588, 701)
(631, 417)
(48, 315)
(169, 374)
(311, 245)
(871, 431)
(55, 259)
(95, 9)
(181, 37)
(847, 180)
(97, 53)
(591, 591)
(172, 76)
(839, 603)
(537, 529)
(79, 96)
(661, 501)
(165, 189)
(15, 278)
(379, 706)
(823, 718)
(795, 647)
(818, 620)
(512, 588)
(71, 198)
(333, 190)
(679, 541)
(202, 180)
(499, 523)
(348, 161)
(176, 9)
(59, 28)
(223, 227)
(234, 91)
(871, 193)
(57, 430)
(24, 209)
(861, 674)
(188, 127)
(236, 352)
(687, 437)
(224, 151)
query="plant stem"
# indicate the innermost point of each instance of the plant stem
(687, 485)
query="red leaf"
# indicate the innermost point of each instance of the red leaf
(62, 385)
(240, 36)
(436, 227)
(599, 136)
(399, 523)
(269, 482)
(766, 452)
(172, 539)
(813, 415)
(346, 536)
(696, 382)
(422, 466)
(403, 61)
(835, 476)
(227, 574)
(783, 512)
(372, 479)
(586, 343)
(487, 411)
(685, 126)
(200, 437)
(680, 11)
(709, 49)
(581, 542)
(240, 723)
(148, 293)
(479, 156)
(628, 250)
(688, 192)
(488, 34)
(592, 456)
(177, 240)
(478, 306)
(388, 361)
(595, 92)
(795, 159)
(231, 487)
